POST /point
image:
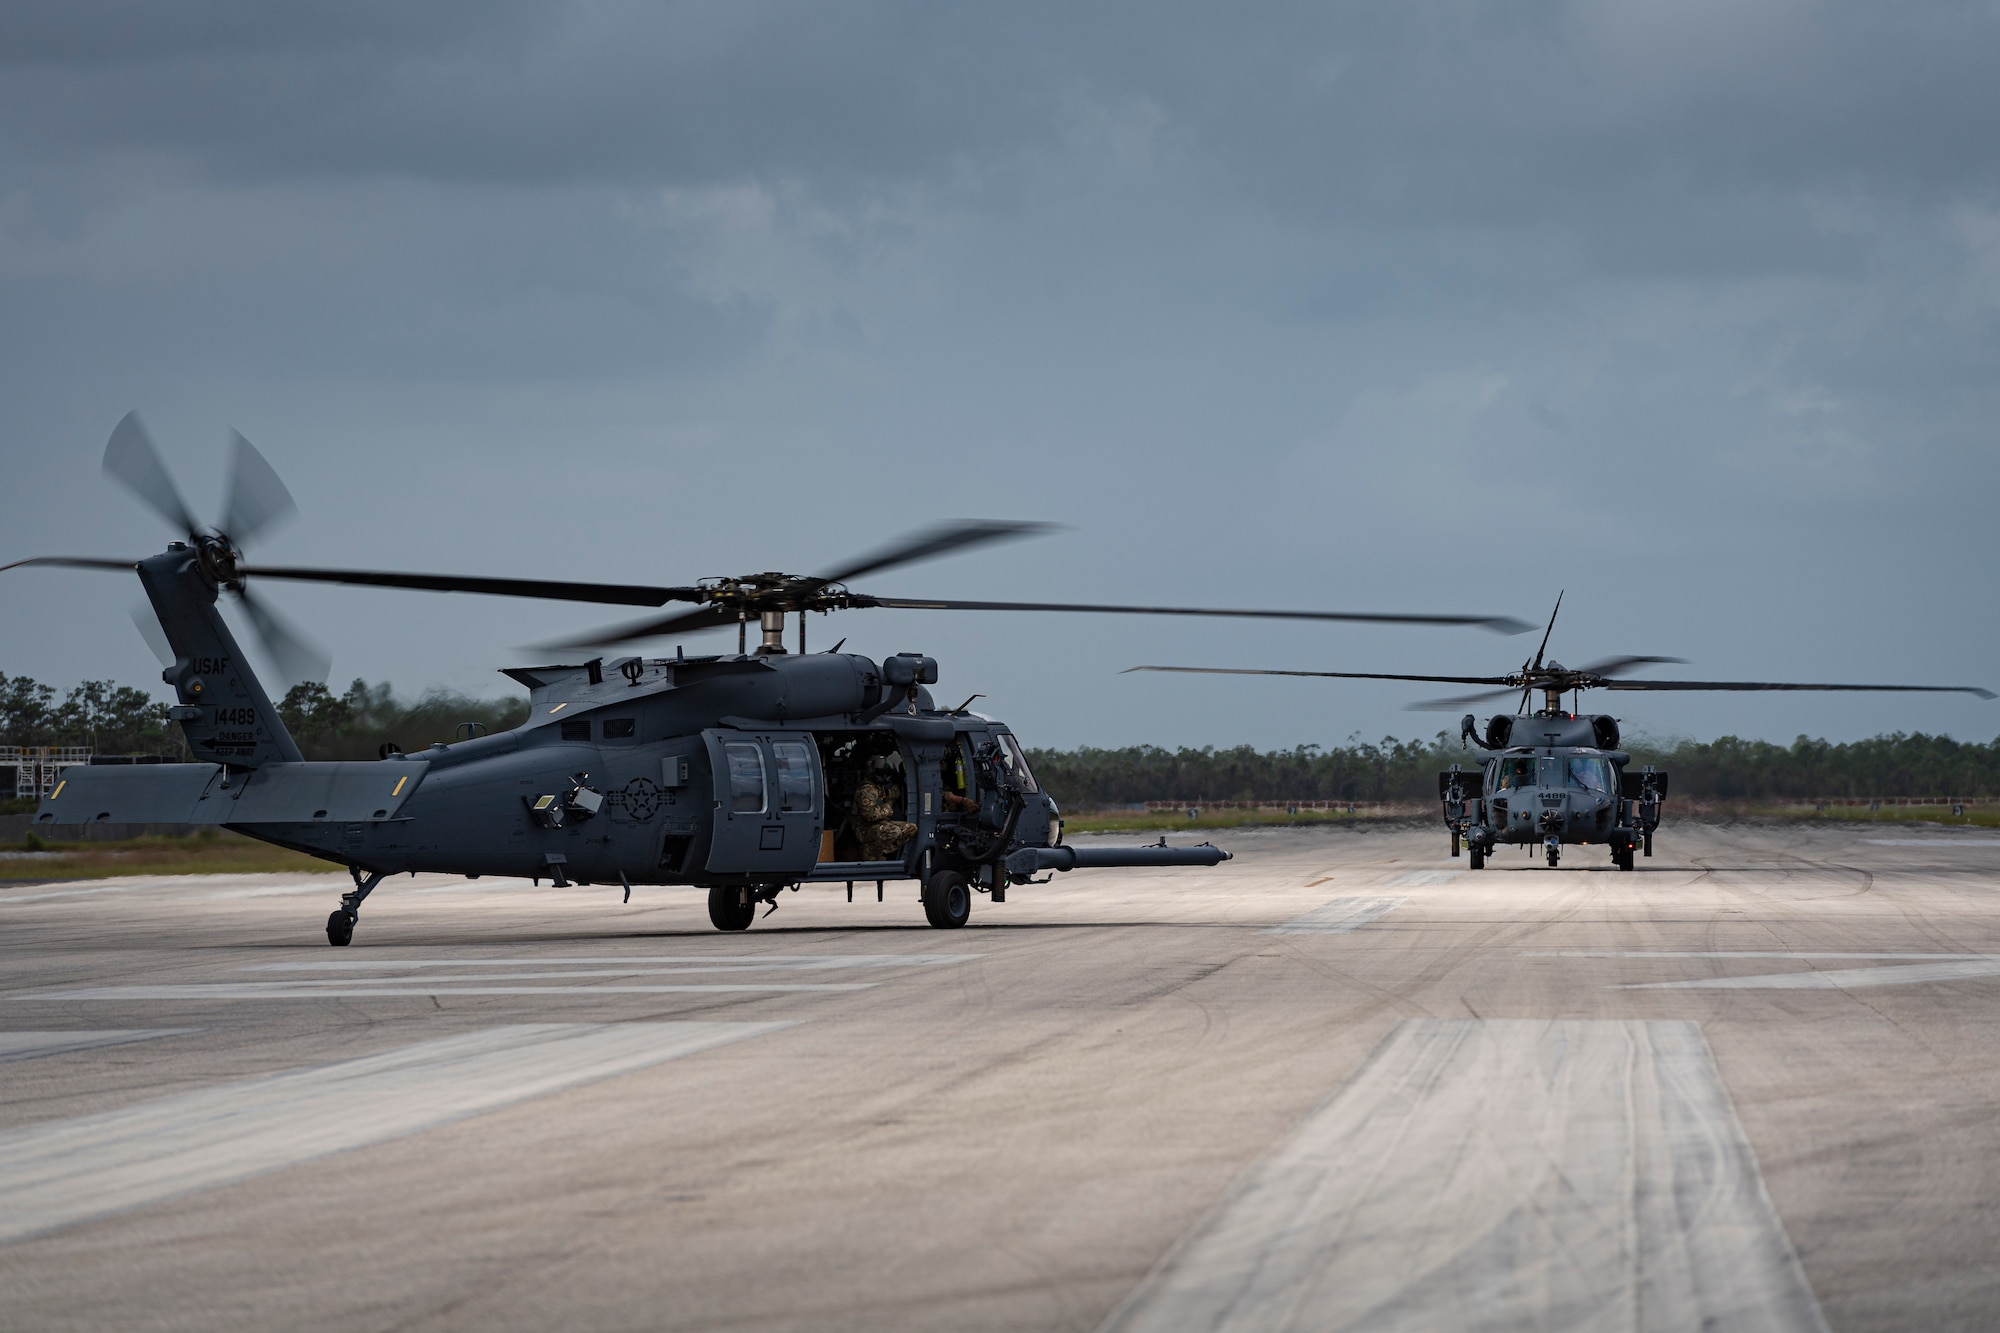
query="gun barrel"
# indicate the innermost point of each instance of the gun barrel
(1030, 859)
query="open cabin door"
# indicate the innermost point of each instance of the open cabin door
(769, 803)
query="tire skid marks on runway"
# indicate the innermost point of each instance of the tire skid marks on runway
(68, 1171)
(1508, 1174)
(663, 962)
(30, 1045)
(304, 990)
(1420, 879)
(1913, 968)
(1839, 978)
(1341, 916)
(519, 976)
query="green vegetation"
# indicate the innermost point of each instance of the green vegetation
(116, 719)
(1168, 821)
(107, 717)
(354, 725)
(208, 852)
(1729, 769)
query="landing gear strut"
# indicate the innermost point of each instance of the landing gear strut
(340, 926)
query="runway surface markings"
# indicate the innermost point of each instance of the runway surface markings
(68, 1171)
(1840, 978)
(1342, 916)
(29, 1045)
(355, 989)
(1737, 953)
(679, 962)
(1933, 842)
(1418, 879)
(1501, 1174)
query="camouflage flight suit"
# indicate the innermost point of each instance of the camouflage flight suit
(876, 827)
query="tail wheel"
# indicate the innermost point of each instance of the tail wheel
(947, 900)
(1555, 855)
(731, 907)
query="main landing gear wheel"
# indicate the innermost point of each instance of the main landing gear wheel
(731, 907)
(1622, 858)
(947, 900)
(1475, 856)
(339, 929)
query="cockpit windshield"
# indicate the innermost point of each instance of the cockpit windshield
(1590, 773)
(1515, 773)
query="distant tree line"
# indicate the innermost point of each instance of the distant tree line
(118, 719)
(107, 717)
(356, 724)
(1391, 770)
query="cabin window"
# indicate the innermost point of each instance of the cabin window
(576, 731)
(620, 728)
(746, 778)
(795, 775)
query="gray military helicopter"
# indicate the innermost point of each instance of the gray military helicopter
(1555, 777)
(737, 773)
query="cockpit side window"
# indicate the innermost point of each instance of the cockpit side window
(1588, 772)
(1017, 763)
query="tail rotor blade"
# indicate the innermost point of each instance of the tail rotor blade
(256, 499)
(296, 656)
(149, 629)
(132, 458)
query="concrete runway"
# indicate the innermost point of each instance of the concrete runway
(1340, 1082)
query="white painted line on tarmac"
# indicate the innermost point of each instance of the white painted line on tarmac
(351, 990)
(1933, 842)
(1840, 978)
(1417, 879)
(1500, 1175)
(680, 962)
(68, 1171)
(1735, 953)
(1342, 916)
(29, 1045)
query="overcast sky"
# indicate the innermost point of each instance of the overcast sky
(1690, 308)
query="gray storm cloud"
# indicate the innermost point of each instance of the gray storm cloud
(1690, 309)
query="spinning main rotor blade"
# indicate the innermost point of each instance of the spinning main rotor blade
(618, 594)
(933, 542)
(685, 622)
(1461, 700)
(1783, 685)
(1498, 624)
(131, 457)
(72, 562)
(256, 499)
(1344, 675)
(1612, 666)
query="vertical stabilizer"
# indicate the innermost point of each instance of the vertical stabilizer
(227, 716)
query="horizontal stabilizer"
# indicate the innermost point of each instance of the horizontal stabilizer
(337, 793)
(135, 794)
(282, 793)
